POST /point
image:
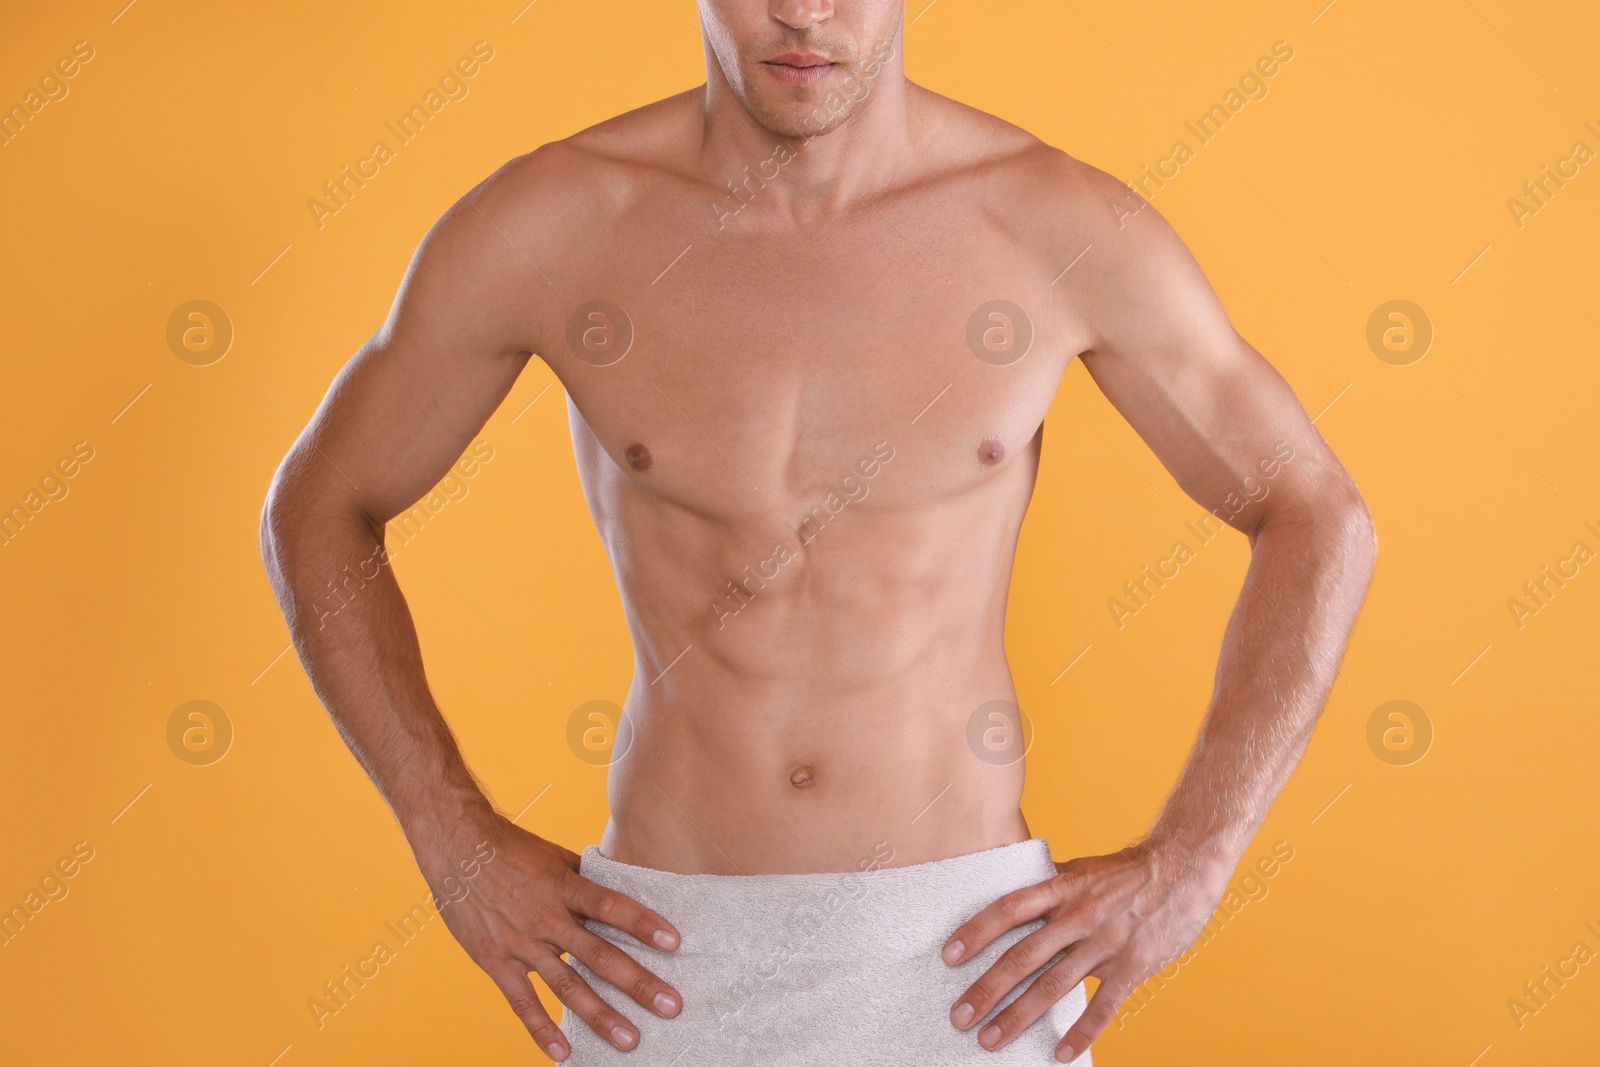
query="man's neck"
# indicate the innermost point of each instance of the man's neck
(817, 174)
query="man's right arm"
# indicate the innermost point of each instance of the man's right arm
(395, 419)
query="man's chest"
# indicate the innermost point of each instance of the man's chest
(704, 368)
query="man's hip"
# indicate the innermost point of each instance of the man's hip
(819, 968)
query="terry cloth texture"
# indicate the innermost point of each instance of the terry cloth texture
(820, 969)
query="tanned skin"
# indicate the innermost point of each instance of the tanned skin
(778, 341)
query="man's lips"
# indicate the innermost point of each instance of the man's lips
(798, 68)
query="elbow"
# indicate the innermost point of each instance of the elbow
(310, 524)
(294, 500)
(1353, 533)
(283, 519)
(1336, 523)
(274, 523)
(1362, 533)
(274, 512)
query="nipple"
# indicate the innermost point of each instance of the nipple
(802, 777)
(638, 457)
(991, 452)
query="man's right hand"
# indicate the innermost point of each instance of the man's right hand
(524, 908)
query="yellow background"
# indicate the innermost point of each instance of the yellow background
(1420, 897)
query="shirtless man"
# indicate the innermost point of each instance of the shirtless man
(809, 318)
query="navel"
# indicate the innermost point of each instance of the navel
(638, 457)
(802, 777)
(991, 452)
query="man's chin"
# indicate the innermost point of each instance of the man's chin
(799, 120)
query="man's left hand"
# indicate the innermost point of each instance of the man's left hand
(1119, 918)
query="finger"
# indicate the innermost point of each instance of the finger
(513, 982)
(1115, 989)
(1056, 982)
(585, 1003)
(1013, 909)
(1014, 964)
(623, 971)
(612, 908)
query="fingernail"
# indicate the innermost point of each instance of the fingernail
(1067, 1054)
(555, 1052)
(990, 1036)
(664, 939)
(952, 951)
(964, 1014)
(622, 1036)
(664, 1003)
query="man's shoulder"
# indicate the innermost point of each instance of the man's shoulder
(1114, 240)
(1057, 196)
(1112, 256)
(1041, 195)
(538, 219)
(598, 169)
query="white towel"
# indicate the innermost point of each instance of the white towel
(819, 969)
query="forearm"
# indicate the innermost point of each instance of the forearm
(1280, 655)
(354, 634)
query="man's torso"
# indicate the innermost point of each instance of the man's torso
(808, 445)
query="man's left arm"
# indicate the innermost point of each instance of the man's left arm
(1231, 431)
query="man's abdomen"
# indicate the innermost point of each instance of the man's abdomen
(798, 782)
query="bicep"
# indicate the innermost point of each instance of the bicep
(1216, 413)
(411, 399)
